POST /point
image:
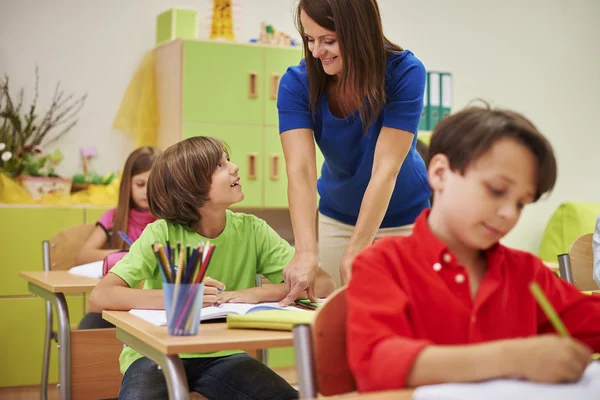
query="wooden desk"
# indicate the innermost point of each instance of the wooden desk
(405, 394)
(52, 286)
(155, 343)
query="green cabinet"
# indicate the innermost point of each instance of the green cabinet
(229, 91)
(275, 172)
(93, 214)
(222, 83)
(22, 315)
(23, 230)
(22, 339)
(277, 61)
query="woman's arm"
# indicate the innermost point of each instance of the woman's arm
(93, 248)
(299, 150)
(324, 285)
(391, 150)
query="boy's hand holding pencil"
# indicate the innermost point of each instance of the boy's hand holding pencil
(212, 288)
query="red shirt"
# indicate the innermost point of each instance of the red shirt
(409, 292)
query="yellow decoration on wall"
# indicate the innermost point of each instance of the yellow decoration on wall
(137, 116)
(222, 20)
(11, 192)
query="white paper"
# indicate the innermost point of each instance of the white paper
(90, 270)
(587, 388)
(159, 317)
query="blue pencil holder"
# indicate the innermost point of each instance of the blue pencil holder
(183, 304)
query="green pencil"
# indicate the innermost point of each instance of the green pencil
(544, 303)
(552, 315)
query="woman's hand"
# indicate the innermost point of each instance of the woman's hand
(346, 268)
(299, 275)
(211, 290)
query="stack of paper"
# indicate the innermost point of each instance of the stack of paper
(91, 270)
(587, 388)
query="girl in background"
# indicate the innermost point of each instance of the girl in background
(131, 217)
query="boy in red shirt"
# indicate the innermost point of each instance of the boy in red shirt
(451, 304)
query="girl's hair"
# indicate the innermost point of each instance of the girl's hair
(364, 50)
(181, 177)
(137, 163)
(467, 135)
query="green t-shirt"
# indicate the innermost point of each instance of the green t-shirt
(246, 247)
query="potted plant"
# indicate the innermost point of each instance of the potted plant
(24, 134)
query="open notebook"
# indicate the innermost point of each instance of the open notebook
(159, 317)
(587, 388)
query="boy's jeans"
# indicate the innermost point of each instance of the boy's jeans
(238, 376)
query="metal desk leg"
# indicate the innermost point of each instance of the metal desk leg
(64, 338)
(46, 363)
(305, 363)
(171, 365)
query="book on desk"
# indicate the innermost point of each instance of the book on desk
(240, 315)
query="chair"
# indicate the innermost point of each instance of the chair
(322, 348)
(94, 353)
(577, 266)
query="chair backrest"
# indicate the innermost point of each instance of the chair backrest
(329, 337)
(95, 369)
(65, 246)
(581, 257)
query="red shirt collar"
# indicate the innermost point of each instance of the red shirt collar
(434, 250)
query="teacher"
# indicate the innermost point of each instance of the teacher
(359, 97)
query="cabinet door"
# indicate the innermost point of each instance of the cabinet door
(23, 230)
(275, 173)
(245, 143)
(93, 213)
(22, 339)
(222, 83)
(277, 61)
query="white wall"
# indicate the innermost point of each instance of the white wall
(537, 56)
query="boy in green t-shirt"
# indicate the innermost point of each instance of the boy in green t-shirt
(191, 185)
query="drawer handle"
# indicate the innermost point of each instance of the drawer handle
(274, 167)
(252, 166)
(252, 85)
(274, 86)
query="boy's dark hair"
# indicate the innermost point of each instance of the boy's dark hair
(467, 135)
(180, 179)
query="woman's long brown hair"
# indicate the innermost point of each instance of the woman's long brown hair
(138, 162)
(364, 49)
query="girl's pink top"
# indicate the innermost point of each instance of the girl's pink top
(138, 220)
